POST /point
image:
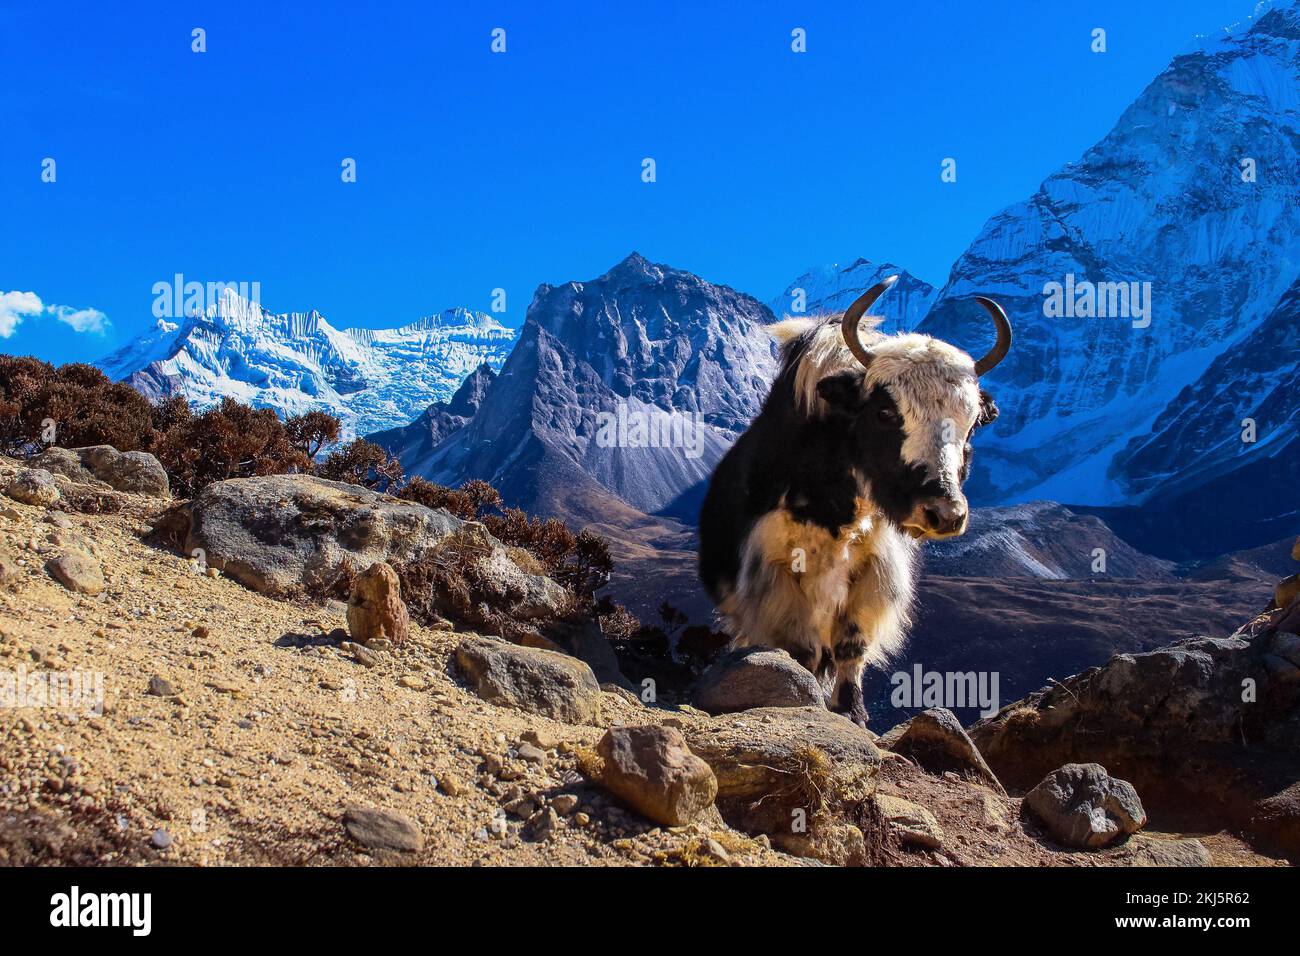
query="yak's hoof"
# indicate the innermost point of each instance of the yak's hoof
(850, 703)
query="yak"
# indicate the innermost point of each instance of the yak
(811, 524)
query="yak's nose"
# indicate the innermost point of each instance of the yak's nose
(945, 516)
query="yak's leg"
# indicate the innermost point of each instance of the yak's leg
(850, 660)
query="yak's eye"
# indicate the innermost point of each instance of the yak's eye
(888, 416)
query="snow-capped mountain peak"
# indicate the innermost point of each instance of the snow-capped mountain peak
(295, 362)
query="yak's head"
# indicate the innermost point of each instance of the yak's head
(903, 407)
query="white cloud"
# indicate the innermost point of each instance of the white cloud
(15, 306)
(83, 320)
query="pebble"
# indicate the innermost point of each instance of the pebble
(531, 753)
(162, 839)
(161, 687)
(565, 804)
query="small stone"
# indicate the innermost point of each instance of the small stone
(531, 753)
(161, 687)
(201, 632)
(546, 739)
(912, 823)
(77, 571)
(161, 839)
(379, 829)
(582, 819)
(544, 823)
(33, 486)
(10, 572)
(413, 681)
(652, 770)
(375, 607)
(716, 850)
(565, 804)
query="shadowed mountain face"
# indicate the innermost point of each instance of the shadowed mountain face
(1195, 193)
(832, 288)
(416, 440)
(630, 386)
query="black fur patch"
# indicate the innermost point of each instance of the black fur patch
(850, 648)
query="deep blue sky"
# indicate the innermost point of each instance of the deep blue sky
(478, 170)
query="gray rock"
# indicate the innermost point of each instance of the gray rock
(33, 486)
(77, 571)
(935, 740)
(135, 472)
(537, 681)
(1084, 806)
(64, 461)
(653, 771)
(279, 533)
(378, 829)
(750, 677)
(161, 839)
(801, 775)
(1143, 850)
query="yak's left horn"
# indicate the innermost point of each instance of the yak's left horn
(854, 315)
(1003, 344)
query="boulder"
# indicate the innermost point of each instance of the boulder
(911, 823)
(1082, 806)
(936, 741)
(280, 533)
(135, 472)
(539, 682)
(375, 608)
(33, 486)
(802, 775)
(377, 829)
(653, 771)
(1142, 850)
(77, 571)
(750, 677)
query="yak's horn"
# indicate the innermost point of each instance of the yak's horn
(854, 315)
(1003, 344)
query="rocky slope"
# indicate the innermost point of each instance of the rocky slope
(238, 727)
(297, 362)
(1097, 411)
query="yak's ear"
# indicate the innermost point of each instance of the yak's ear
(988, 410)
(842, 391)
